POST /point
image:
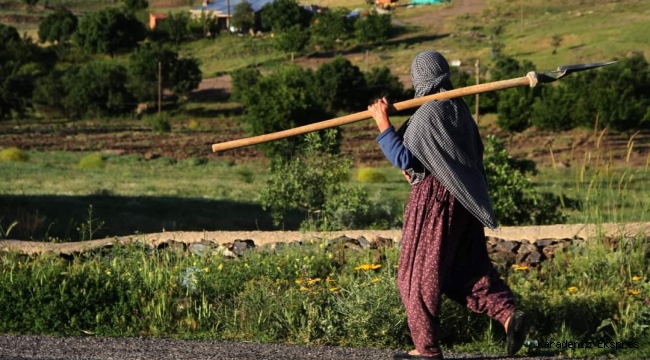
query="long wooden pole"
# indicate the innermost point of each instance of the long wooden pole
(530, 79)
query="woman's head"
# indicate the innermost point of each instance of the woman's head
(430, 74)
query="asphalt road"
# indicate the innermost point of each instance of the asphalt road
(76, 348)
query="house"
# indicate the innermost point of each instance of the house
(155, 19)
(224, 9)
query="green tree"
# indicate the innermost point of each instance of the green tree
(243, 80)
(57, 27)
(514, 198)
(373, 29)
(135, 5)
(180, 75)
(175, 28)
(21, 63)
(109, 31)
(515, 105)
(95, 89)
(329, 27)
(381, 82)
(243, 17)
(281, 15)
(341, 85)
(293, 39)
(282, 100)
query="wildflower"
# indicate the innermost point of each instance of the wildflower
(298, 281)
(375, 279)
(220, 267)
(633, 292)
(313, 281)
(334, 289)
(328, 280)
(302, 288)
(366, 267)
(520, 267)
(246, 265)
(572, 288)
(108, 272)
(636, 278)
(207, 269)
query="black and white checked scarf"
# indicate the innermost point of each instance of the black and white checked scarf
(443, 136)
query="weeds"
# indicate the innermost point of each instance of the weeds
(313, 294)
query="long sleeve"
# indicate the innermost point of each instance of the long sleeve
(395, 151)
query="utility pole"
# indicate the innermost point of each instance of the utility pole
(228, 19)
(159, 89)
(478, 80)
(521, 11)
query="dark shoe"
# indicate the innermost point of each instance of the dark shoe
(407, 356)
(517, 329)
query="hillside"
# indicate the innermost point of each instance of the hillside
(588, 31)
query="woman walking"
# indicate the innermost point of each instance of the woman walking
(443, 241)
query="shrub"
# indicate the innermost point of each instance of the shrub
(370, 175)
(92, 161)
(159, 123)
(514, 199)
(13, 154)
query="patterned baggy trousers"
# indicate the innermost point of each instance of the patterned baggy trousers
(444, 251)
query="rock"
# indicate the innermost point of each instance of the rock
(223, 250)
(240, 246)
(198, 249)
(150, 156)
(173, 244)
(510, 246)
(382, 242)
(491, 240)
(535, 258)
(363, 242)
(526, 248)
(505, 258)
(545, 242)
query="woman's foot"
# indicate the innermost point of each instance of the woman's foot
(415, 355)
(516, 328)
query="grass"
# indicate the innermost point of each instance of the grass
(317, 294)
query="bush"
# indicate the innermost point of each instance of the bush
(92, 161)
(514, 199)
(13, 154)
(381, 82)
(373, 29)
(370, 175)
(315, 182)
(159, 123)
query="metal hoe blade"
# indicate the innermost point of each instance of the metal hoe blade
(565, 70)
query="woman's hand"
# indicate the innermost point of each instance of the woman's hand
(407, 176)
(379, 111)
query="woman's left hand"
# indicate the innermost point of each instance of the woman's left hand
(379, 111)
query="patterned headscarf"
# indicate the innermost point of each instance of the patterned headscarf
(443, 136)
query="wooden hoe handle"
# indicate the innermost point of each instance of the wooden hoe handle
(530, 79)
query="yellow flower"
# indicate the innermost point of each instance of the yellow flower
(636, 278)
(302, 288)
(367, 267)
(207, 269)
(520, 267)
(333, 289)
(220, 267)
(375, 279)
(313, 281)
(108, 272)
(633, 292)
(298, 281)
(572, 288)
(328, 280)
